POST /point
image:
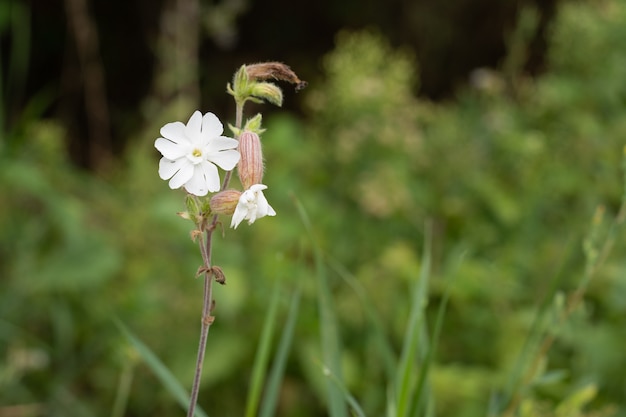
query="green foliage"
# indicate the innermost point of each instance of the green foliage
(510, 181)
(509, 177)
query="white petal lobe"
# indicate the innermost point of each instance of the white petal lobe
(181, 176)
(226, 160)
(169, 149)
(211, 125)
(167, 168)
(174, 132)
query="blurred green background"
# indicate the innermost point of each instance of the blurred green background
(501, 125)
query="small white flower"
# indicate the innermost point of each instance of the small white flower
(192, 151)
(252, 205)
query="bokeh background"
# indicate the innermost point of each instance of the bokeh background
(501, 124)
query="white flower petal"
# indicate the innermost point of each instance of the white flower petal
(263, 207)
(221, 143)
(226, 160)
(210, 175)
(258, 187)
(267, 209)
(175, 132)
(239, 215)
(252, 205)
(193, 128)
(211, 125)
(169, 149)
(167, 167)
(197, 185)
(183, 175)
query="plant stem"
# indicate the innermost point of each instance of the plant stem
(207, 302)
(207, 319)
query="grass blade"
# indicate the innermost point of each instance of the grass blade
(123, 388)
(272, 389)
(405, 380)
(262, 356)
(378, 328)
(328, 324)
(356, 407)
(422, 387)
(159, 369)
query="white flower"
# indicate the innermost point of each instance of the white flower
(252, 205)
(190, 153)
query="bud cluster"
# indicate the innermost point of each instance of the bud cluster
(249, 82)
(195, 167)
(251, 203)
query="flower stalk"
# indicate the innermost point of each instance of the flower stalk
(191, 154)
(207, 299)
(207, 303)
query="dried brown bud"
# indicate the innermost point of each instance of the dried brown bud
(220, 278)
(275, 71)
(195, 234)
(225, 202)
(250, 166)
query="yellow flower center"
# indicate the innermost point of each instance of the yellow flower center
(197, 153)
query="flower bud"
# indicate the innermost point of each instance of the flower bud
(225, 202)
(250, 166)
(268, 91)
(241, 87)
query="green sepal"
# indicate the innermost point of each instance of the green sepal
(254, 124)
(242, 86)
(193, 208)
(205, 207)
(255, 100)
(236, 131)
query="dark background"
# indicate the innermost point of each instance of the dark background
(449, 39)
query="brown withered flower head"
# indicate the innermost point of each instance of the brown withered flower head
(275, 71)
